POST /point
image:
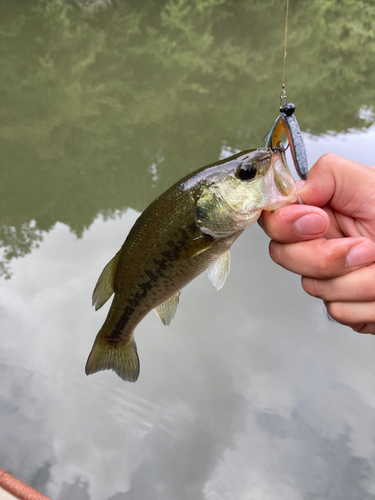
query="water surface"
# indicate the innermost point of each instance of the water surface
(250, 393)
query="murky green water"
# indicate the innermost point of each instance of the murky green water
(251, 393)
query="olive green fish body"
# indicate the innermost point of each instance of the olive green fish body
(185, 230)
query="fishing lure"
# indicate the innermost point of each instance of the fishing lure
(288, 122)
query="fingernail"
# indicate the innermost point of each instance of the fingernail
(361, 254)
(300, 184)
(310, 225)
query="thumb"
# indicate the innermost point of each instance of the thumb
(345, 185)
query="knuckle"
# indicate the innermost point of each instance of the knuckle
(272, 250)
(328, 161)
(336, 311)
(275, 251)
(323, 266)
(328, 262)
(319, 288)
(365, 328)
(329, 158)
(312, 286)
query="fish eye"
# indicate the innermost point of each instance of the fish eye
(247, 171)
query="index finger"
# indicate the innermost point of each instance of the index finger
(323, 259)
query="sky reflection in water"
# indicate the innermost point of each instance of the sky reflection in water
(251, 393)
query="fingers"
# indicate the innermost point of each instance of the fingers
(330, 240)
(359, 316)
(349, 299)
(345, 185)
(343, 191)
(364, 328)
(295, 223)
(324, 259)
(356, 286)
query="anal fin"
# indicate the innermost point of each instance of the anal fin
(167, 309)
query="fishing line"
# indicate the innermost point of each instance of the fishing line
(283, 93)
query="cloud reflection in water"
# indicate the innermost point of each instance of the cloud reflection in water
(250, 393)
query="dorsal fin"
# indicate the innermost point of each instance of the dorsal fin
(105, 286)
(219, 270)
(167, 309)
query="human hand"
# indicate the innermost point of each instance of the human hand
(330, 240)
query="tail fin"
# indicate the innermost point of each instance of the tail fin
(120, 357)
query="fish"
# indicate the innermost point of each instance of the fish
(184, 231)
(288, 122)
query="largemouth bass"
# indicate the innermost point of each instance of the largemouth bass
(184, 231)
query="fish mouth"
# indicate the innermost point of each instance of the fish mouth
(282, 176)
(279, 183)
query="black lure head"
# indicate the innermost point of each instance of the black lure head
(288, 109)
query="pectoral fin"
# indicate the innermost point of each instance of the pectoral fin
(196, 246)
(219, 271)
(105, 286)
(167, 309)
